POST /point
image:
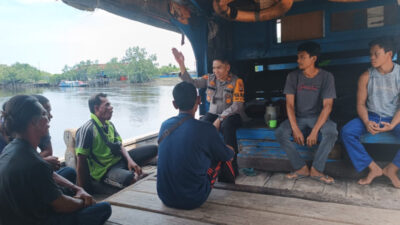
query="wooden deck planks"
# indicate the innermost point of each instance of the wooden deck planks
(232, 207)
(345, 214)
(382, 194)
(209, 212)
(128, 216)
(260, 179)
(279, 181)
(308, 185)
(336, 191)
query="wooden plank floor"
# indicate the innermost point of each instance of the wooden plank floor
(139, 204)
(125, 216)
(380, 194)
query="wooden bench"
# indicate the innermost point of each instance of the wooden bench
(259, 149)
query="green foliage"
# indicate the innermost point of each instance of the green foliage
(19, 73)
(114, 69)
(140, 67)
(136, 64)
(168, 69)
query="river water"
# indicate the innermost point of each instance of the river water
(138, 109)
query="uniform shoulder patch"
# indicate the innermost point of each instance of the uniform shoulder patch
(239, 84)
(238, 93)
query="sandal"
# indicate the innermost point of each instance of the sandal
(323, 179)
(295, 176)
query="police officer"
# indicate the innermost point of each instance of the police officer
(225, 93)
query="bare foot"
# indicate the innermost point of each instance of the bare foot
(141, 176)
(391, 172)
(138, 177)
(316, 175)
(302, 172)
(374, 172)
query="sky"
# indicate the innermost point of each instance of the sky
(49, 34)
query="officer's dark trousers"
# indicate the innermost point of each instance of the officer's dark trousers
(228, 130)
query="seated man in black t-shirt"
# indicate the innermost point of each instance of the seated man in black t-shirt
(64, 177)
(309, 98)
(28, 193)
(46, 151)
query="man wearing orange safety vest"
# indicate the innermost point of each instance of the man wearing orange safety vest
(225, 93)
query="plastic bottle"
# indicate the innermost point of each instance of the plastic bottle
(271, 116)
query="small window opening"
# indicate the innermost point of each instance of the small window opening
(278, 31)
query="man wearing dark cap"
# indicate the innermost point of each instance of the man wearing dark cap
(190, 153)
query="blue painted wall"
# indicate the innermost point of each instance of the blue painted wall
(258, 40)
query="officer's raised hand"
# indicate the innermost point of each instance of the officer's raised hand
(180, 59)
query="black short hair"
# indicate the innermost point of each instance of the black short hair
(387, 43)
(95, 100)
(185, 95)
(19, 111)
(312, 48)
(222, 57)
(42, 100)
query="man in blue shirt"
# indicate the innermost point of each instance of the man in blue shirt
(190, 153)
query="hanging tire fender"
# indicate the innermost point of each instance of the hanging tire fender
(277, 10)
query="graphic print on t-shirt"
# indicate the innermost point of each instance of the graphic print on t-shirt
(306, 87)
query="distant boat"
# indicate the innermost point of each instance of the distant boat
(76, 83)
